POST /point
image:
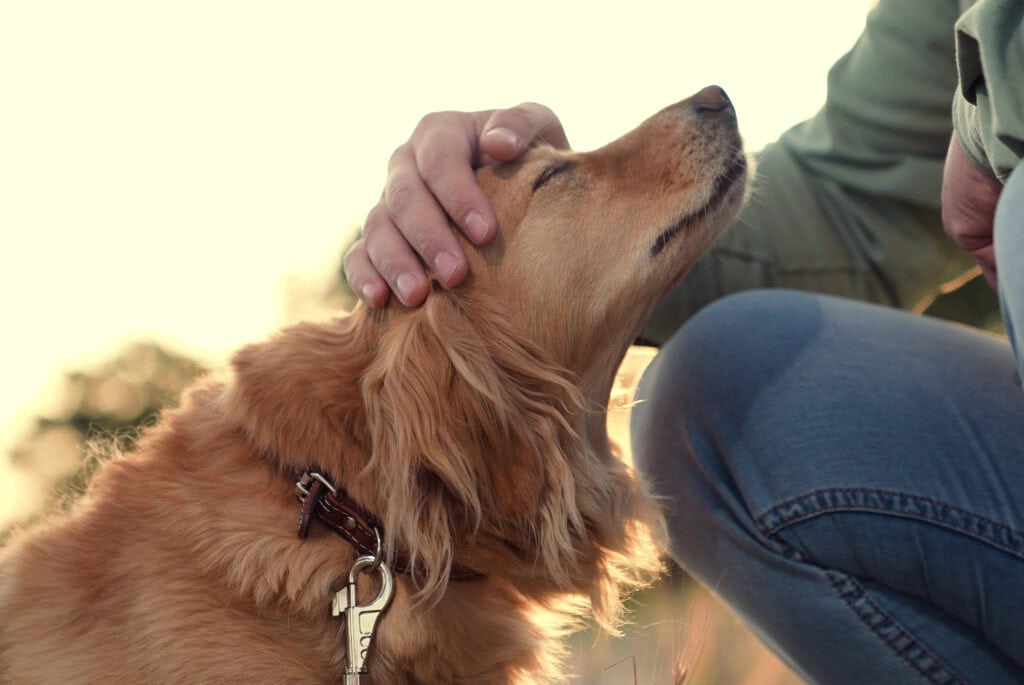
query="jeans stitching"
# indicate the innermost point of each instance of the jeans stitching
(901, 504)
(895, 636)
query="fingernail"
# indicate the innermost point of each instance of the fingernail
(406, 284)
(504, 135)
(476, 226)
(445, 264)
(369, 292)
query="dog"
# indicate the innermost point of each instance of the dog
(466, 437)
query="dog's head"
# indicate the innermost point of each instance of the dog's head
(488, 400)
(589, 242)
(474, 424)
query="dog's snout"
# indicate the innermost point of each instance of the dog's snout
(711, 99)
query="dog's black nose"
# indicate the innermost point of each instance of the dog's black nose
(711, 99)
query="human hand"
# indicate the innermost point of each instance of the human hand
(430, 178)
(969, 198)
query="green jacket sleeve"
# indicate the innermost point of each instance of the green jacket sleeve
(988, 110)
(848, 202)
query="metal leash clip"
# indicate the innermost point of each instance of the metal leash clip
(360, 620)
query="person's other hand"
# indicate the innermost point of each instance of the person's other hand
(969, 198)
(430, 178)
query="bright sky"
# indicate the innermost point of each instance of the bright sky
(163, 165)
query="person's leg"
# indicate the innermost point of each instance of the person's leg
(1009, 246)
(850, 479)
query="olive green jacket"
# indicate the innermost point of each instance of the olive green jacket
(848, 202)
(988, 110)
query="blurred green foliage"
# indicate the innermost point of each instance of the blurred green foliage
(107, 405)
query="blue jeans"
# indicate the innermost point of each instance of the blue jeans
(850, 478)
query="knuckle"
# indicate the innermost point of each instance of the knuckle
(354, 257)
(374, 221)
(399, 194)
(454, 200)
(423, 237)
(387, 267)
(432, 162)
(431, 121)
(388, 256)
(534, 110)
(427, 121)
(381, 261)
(542, 123)
(398, 156)
(529, 114)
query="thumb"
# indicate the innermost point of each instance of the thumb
(508, 133)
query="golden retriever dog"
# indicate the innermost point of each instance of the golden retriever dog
(470, 434)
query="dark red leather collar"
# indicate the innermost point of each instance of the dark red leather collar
(333, 507)
(330, 504)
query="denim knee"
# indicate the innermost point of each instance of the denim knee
(692, 403)
(801, 443)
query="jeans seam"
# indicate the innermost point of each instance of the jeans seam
(898, 639)
(895, 503)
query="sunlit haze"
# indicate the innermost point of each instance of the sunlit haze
(164, 166)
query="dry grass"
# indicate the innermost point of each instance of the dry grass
(679, 633)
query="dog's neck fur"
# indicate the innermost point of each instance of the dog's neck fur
(492, 512)
(524, 504)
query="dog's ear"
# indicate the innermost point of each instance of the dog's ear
(473, 433)
(297, 396)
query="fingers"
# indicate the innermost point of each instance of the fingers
(430, 178)
(431, 185)
(413, 209)
(969, 199)
(408, 221)
(508, 133)
(383, 261)
(362, 278)
(443, 155)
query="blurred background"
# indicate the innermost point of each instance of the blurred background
(177, 179)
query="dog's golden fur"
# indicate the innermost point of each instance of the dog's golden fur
(473, 426)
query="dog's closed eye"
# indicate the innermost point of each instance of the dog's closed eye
(552, 171)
